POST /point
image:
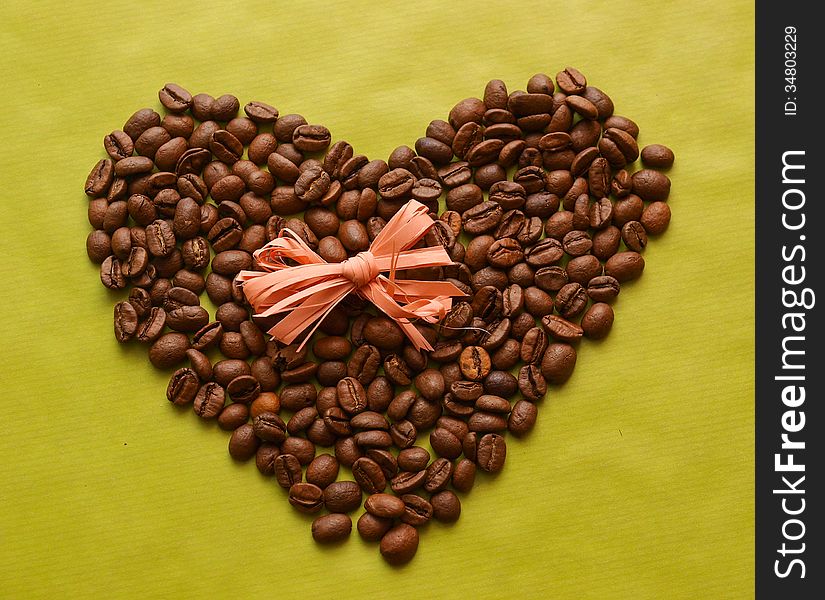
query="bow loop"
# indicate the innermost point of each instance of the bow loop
(308, 291)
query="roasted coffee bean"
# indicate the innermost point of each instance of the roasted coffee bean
(583, 268)
(399, 544)
(404, 433)
(226, 370)
(656, 218)
(537, 302)
(342, 496)
(302, 420)
(209, 400)
(373, 528)
(169, 350)
(243, 444)
(305, 497)
(288, 471)
(446, 506)
(364, 363)
(331, 528)
(464, 474)
(413, 459)
(571, 300)
(444, 443)
(558, 363)
(651, 185)
(482, 218)
(531, 383)
(187, 318)
(417, 510)
(385, 505)
(152, 326)
(125, 320)
(534, 345)
(634, 236)
(597, 321)
(475, 363)
(625, 266)
(323, 471)
(369, 475)
(269, 426)
(492, 452)
(654, 155)
(437, 475)
(233, 416)
(545, 253)
(303, 449)
(351, 395)
(265, 458)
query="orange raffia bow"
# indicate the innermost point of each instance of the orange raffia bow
(310, 290)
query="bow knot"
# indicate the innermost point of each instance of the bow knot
(305, 293)
(361, 268)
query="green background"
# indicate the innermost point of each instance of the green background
(638, 479)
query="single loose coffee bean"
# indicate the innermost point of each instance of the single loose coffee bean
(446, 506)
(243, 444)
(492, 452)
(183, 387)
(634, 236)
(369, 475)
(656, 218)
(597, 321)
(385, 505)
(342, 496)
(413, 459)
(373, 528)
(323, 471)
(125, 320)
(210, 400)
(654, 155)
(305, 497)
(522, 418)
(625, 266)
(464, 474)
(288, 471)
(399, 544)
(651, 185)
(438, 475)
(233, 416)
(168, 350)
(558, 363)
(331, 528)
(474, 363)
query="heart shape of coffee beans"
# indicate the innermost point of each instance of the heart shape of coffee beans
(544, 221)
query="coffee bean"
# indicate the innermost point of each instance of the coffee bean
(399, 544)
(323, 471)
(168, 350)
(243, 444)
(656, 218)
(446, 507)
(369, 475)
(597, 321)
(438, 475)
(651, 185)
(385, 505)
(331, 528)
(233, 416)
(373, 528)
(655, 155)
(492, 452)
(209, 400)
(625, 266)
(474, 363)
(306, 497)
(558, 363)
(288, 471)
(413, 459)
(634, 236)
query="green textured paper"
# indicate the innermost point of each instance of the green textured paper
(637, 481)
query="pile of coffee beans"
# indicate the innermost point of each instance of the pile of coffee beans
(545, 219)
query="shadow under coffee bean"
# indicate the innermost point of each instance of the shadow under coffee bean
(547, 214)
